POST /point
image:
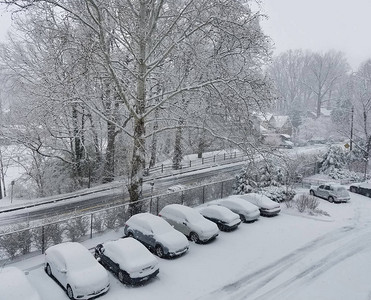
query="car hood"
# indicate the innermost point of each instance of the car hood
(90, 278)
(173, 240)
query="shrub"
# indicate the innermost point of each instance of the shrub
(306, 202)
(77, 227)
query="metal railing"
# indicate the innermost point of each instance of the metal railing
(34, 240)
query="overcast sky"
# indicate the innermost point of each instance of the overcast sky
(319, 25)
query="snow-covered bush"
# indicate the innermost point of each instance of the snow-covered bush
(16, 241)
(47, 235)
(77, 227)
(278, 193)
(306, 202)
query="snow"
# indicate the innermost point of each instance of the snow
(259, 200)
(162, 231)
(286, 257)
(219, 212)
(131, 255)
(15, 286)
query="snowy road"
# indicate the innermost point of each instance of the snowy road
(285, 257)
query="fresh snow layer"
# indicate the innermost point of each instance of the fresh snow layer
(286, 257)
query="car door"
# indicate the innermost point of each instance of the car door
(321, 191)
(59, 269)
(147, 235)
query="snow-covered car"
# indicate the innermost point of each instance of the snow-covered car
(223, 217)
(156, 234)
(128, 259)
(266, 206)
(330, 191)
(176, 188)
(248, 212)
(76, 270)
(14, 285)
(190, 222)
(361, 188)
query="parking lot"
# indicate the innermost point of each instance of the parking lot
(290, 256)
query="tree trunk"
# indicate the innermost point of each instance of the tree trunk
(109, 164)
(178, 151)
(152, 160)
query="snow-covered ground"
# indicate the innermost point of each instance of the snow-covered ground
(290, 256)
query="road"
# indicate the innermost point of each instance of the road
(116, 196)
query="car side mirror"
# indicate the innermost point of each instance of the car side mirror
(184, 223)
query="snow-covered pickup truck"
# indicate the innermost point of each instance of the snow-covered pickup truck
(331, 192)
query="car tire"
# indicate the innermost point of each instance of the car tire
(130, 234)
(48, 270)
(243, 219)
(121, 276)
(331, 199)
(312, 193)
(221, 227)
(70, 292)
(194, 237)
(352, 189)
(159, 251)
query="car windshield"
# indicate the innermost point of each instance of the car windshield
(161, 227)
(195, 217)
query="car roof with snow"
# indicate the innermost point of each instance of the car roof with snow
(236, 202)
(148, 221)
(217, 211)
(128, 253)
(14, 285)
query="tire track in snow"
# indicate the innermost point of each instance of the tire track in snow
(345, 251)
(254, 281)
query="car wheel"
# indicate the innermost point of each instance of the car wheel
(221, 227)
(331, 199)
(159, 251)
(352, 189)
(130, 234)
(48, 270)
(70, 292)
(312, 193)
(121, 276)
(194, 237)
(243, 219)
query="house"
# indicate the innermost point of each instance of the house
(281, 124)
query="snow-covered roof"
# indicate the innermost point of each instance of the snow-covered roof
(218, 212)
(130, 254)
(151, 222)
(279, 121)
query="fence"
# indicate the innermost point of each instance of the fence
(163, 168)
(35, 240)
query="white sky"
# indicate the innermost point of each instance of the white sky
(321, 25)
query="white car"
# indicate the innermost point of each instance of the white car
(128, 259)
(223, 217)
(190, 222)
(332, 192)
(76, 270)
(248, 212)
(15, 286)
(266, 206)
(157, 235)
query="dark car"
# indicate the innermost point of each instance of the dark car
(221, 216)
(157, 235)
(362, 188)
(128, 259)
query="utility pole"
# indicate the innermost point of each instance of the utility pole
(351, 130)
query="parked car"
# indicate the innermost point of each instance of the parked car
(190, 222)
(14, 285)
(361, 188)
(330, 191)
(157, 235)
(248, 212)
(176, 188)
(224, 218)
(76, 270)
(128, 259)
(266, 206)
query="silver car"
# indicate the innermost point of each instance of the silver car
(331, 191)
(157, 235)
(189, 222)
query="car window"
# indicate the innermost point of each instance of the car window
(321, 186)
